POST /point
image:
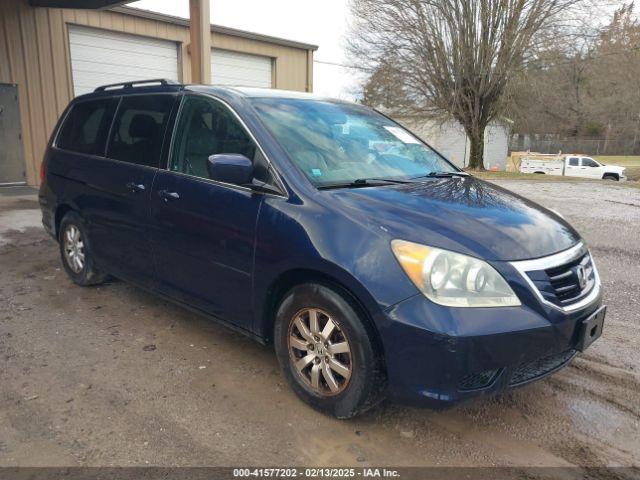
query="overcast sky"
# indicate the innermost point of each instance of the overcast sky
(323, 23)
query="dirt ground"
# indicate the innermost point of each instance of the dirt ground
(112, 376)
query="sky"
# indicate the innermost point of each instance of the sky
(323, 23)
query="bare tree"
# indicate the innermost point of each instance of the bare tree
(551, 96)
(453, 57)
(577, 93)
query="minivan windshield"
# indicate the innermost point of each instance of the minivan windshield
(346, 144)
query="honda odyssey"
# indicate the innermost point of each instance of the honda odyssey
(372, 264)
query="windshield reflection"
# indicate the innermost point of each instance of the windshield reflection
(339, 143)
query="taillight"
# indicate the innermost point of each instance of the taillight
(43, 170)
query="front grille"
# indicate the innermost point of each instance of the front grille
(473, 381)
(561, 285)
(530, 370)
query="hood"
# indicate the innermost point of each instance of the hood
(461, 214)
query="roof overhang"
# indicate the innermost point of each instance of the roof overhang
(86, 4)
(138, 12)
(118, 6)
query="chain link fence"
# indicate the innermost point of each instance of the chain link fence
(586, 146)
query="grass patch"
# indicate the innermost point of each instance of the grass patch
(532, 177)
(633, 173)
(630, 162)
(621, 160)
(488, 175)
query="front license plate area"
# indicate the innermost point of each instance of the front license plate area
(590, 329)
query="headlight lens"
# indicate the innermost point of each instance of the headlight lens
(453, 279)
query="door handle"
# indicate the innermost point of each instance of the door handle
(166, 195)
(135, 187)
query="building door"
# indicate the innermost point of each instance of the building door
(100, 57)
(240, 69)
(12, 170)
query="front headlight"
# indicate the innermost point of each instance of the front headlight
(453, 279)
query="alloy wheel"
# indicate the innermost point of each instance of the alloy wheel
(320, 351)
(74, 248)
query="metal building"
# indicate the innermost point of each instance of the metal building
(50, 55)
(450, 139)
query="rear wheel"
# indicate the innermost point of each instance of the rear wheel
(75, 250)
(326, 351)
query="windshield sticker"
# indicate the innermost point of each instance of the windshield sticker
(316, 172)
(402, 135)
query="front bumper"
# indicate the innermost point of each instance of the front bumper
(438, 356)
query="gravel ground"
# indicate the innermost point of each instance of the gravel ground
(114, 376)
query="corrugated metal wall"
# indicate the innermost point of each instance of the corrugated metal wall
(450, 139)
(496, 145)
(34, 54)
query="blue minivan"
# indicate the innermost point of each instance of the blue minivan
(375, 266)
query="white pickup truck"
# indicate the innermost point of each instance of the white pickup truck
(572, 166)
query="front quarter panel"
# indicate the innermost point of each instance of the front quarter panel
(298, 235)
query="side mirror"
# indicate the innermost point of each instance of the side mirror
(230, 168)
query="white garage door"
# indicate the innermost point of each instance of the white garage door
(100, 57)
(240, 69)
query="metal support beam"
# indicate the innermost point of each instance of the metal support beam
(200, 48)
(309, 83)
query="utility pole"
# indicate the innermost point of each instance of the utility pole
(200, 47)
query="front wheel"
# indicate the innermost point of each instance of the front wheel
(610, 177)
(327, 352)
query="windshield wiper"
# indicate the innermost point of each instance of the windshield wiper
(363, 182)
(442, 175)
(390, 180)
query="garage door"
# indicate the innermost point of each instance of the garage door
(240, 69)
(100, 57)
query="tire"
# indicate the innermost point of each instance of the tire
(610, 177)
(75, 251)
(353, 390)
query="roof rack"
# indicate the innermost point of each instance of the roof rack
(161, 81)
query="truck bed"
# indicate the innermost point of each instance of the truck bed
(548, 167)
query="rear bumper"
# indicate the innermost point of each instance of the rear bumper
(48, 214)
(438, 357)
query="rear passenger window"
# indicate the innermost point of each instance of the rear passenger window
(139, 127)
(85, 128)
(573, 161)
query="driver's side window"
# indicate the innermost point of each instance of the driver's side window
(207, 127)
